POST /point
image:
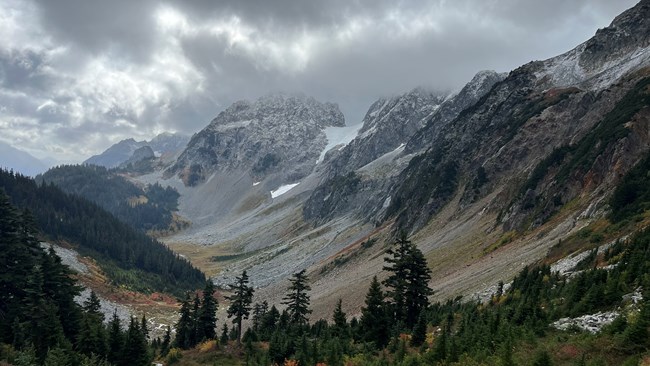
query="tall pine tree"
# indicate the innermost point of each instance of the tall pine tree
(297, 300)
(240, 302)
(374, 319)
(208, 316)
(408, 282)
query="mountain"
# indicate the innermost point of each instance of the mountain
(139, 155)
(20, 161)
(378, 152)
(164, 144)
(116, 154)
(168, 143)
(279, 136)
(485, 180)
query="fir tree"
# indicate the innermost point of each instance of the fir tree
(115, 339)
(340, 328)
(135, 350)
(297, 300)
(184, 326)
(208, 315)
(196, 333)
(224, 334)
(419, 331)
(240, 302)
(374, 321)
(166, 342)
(259, 311)
(144, 328)
(408, 281)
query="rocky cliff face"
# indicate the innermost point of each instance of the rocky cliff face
(377, 155)
(388, 124)
(550, 132)
(493, 134)
(277, 135)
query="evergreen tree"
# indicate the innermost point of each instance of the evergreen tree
(224, 334)
(419, 331)
(56, 357)
(196, 332)
(164, 347)
(92, 306)
(92, 337)
(340, 328)
(184, 326)
(144, 328)
(408, 282)
(135, 350)
(374, 321)
(269, 323)
(240, 302)
(208, 315)
(297, 300)
(259, 311)
(115, 339)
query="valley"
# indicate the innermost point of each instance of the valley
(501, 223)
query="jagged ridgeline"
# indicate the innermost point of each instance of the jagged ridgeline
(129, 257)
(144, 208)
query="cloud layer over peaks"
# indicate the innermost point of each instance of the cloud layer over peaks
(77, 76)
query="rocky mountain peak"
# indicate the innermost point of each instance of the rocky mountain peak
(630, 30)
(278, 134)
(480, 85)
(613, 51)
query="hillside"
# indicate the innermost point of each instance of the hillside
(148, 208)
(128, 257)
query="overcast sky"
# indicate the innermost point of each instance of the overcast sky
(77, 75)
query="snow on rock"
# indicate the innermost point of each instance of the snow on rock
(338, 136)
(283, 189)
(592, 323)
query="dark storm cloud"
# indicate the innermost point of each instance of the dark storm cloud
(95, 26)
(85, 74)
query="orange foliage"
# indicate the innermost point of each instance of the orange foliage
(290, 363)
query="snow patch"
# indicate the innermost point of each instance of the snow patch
(337, 136)
(232, 125)
(283, 189)
(256, 183)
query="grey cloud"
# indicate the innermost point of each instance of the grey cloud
(470, 35)
(125, 26)
(23, 69)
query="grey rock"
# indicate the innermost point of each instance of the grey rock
(139, 155)
(280, 135)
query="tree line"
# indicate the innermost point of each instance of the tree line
(129, 257)
(40, 322)
(115, 193)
